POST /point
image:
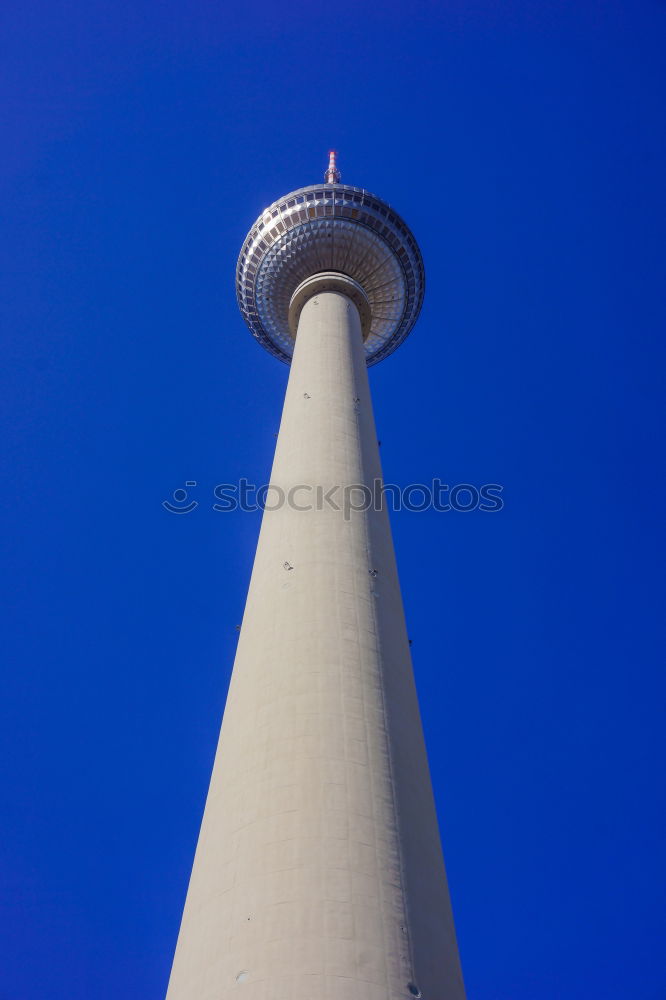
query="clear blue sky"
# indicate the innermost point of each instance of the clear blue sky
(524, 143)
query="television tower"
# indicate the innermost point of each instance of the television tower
(318, 873)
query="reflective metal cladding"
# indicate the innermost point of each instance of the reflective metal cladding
(330, 227)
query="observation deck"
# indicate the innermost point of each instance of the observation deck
(330, 227)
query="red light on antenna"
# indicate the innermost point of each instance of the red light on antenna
(332, 175)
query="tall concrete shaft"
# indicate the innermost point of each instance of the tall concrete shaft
(318, 874)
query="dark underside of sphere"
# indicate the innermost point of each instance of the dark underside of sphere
(330, 227)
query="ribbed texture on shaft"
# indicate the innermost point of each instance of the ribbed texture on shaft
(318, 873)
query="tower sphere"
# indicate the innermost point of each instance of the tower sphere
(330, 227)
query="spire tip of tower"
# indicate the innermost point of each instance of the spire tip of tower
(332, 175)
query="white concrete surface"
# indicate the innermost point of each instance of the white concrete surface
(318, 873)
